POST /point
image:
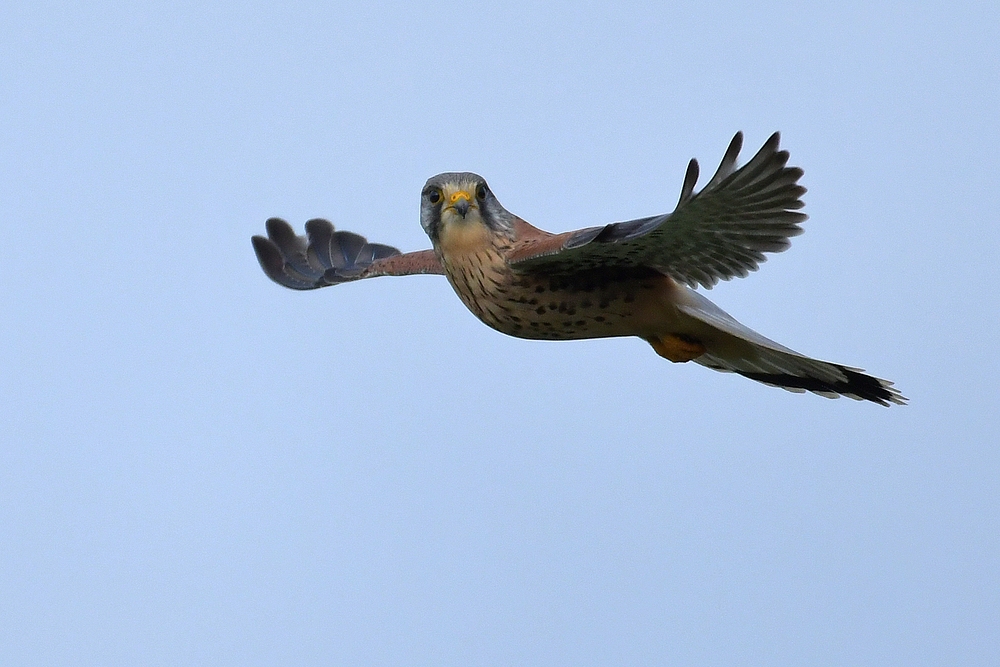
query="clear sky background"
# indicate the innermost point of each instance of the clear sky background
(200, 467)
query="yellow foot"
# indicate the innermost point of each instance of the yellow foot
(677, 347)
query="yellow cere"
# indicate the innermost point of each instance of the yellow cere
(460, 194)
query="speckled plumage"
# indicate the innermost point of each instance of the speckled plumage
(631, 278)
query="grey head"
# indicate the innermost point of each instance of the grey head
(455, 200)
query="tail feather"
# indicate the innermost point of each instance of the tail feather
(735, 348)
(849, 382)
(858, 386)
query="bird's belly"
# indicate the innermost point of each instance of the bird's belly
(554, 310)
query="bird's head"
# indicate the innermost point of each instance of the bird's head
(459, 204)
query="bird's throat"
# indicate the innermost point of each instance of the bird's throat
(463, 237)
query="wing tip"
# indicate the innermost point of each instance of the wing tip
(323, 257)
(268, 255)
(277, 228)
(690, 180)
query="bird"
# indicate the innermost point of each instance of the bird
(634, 278)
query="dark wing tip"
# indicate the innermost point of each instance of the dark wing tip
(323, 257)
(268, 255)
(272, 261)
(733, 150)
(716, 233)
(279, 231)
(773, 140)
(690, 179)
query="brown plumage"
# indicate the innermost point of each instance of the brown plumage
(630, 278)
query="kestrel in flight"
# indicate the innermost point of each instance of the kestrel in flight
(632, 278)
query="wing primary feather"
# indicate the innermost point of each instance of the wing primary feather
(326, 256)
(273, 263)
(382, 251)
(293, 248)
(323, 257)
(350, 246)
(728, 164)
(690, 180)
(320, 234)
(283, 236)
(767, 159)
(719, 232)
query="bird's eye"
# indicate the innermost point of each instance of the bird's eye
(480, 192)
(434, 196)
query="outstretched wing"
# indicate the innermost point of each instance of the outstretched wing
(718, 233)
(327, 257)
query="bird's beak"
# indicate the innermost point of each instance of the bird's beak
(460, 202)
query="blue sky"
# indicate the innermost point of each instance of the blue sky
(199, 467)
